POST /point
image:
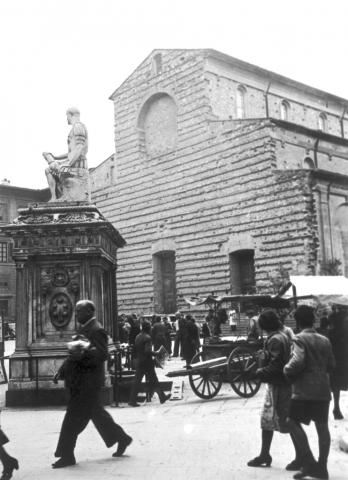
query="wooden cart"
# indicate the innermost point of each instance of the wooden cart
(232, 361)
(207, 372)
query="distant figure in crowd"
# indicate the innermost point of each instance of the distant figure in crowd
(278, 391)
(190, 339)
(253, 329)
(145, 365)
(169, 329)
(159, 333)
(220, 318)
(179, 323)
(9, 463)
(308, 370)
(83, 373)
(210, 319)
(122, 330)
(338, 336)
(134, 329)
(205, 331)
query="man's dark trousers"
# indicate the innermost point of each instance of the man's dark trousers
(84, 405)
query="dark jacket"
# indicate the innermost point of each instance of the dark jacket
(309, 366)
(143, 354)
(87, 370)
(277, 347)
(190, 340)
(159, 335)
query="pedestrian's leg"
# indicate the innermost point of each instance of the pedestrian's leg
(107, 428)
(176, 345)
(264, 458)
(155, 385)
(139, 373)
(9, 463)
(337, 411)
(75, 421)
(324, 440)
(300, 439)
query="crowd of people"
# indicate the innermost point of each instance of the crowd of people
(300, 370)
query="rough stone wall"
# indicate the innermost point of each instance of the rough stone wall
(218, 188)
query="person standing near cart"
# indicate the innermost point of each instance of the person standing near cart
(145, 366)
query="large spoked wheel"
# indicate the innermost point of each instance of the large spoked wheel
(241, 367)
(207, 383)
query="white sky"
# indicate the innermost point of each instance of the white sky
(61, 53)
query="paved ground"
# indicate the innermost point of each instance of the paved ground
(189, 439)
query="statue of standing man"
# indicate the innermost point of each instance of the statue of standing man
(67, 174)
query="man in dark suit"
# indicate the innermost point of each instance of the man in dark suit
(145, 365)
(84, 376)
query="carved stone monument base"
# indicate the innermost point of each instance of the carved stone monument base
(63, 253)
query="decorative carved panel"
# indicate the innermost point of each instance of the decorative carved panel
(60, 310)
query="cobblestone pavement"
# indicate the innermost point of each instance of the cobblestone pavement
(187, 439)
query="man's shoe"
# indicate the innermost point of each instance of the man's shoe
(337, 414)
(165, 398)
(294, 466)
(64, 462)
(9, 465)
(122, 445)
(313, 471)
(134, 404)
(260, 461)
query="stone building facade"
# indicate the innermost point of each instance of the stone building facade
(11, 199)
(224, 175)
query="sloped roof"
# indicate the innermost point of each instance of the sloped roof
(268, 74)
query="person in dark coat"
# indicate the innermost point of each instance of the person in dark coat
(9, 463)
(338, 336)
(145, 366)
(190, 339)
(134, 329)
(84, 377)
(308, 371)
(159, 334)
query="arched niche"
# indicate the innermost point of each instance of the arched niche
(308, 163)
(158, 124)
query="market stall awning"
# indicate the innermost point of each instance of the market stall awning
(326, 289)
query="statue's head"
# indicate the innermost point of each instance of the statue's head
(71, 113)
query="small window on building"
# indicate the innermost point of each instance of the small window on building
(284, 110)
(157, 64)
(3, 252)
(240, 101)
(322, 122)
(242, 272)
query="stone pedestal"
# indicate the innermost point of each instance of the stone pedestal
(63, 253)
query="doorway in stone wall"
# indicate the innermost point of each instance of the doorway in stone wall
(242, 272)
(164, 282)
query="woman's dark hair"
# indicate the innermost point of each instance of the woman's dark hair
(304, 316)
(146, 326)
(269, 321)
